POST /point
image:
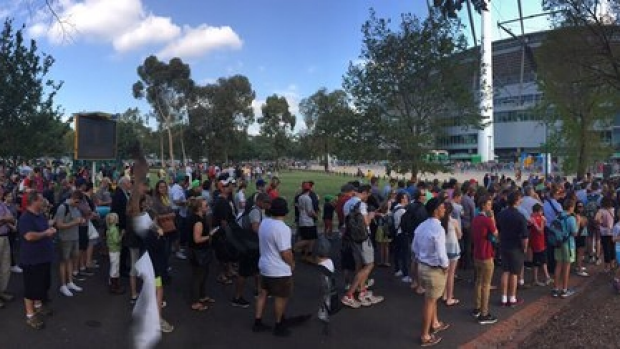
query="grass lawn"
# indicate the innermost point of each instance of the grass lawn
(324, 184)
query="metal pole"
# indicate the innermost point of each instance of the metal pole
(486, 148)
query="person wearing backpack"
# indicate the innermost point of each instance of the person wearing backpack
(565, 253)
(551, 208)
(248, 261)
(401, 242)
(357, 236)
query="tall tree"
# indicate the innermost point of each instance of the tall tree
(415, 81)
(328, 118)
(577, 107)
(131, 127)
(166, 87)
(220, 114)
(277, 124)
(601, 21)
(30, 122)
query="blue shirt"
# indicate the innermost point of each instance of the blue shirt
(429, 243)
(34, 252)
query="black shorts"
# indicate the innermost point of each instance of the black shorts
(248, 264)
(512, 261)
(347, 260)
(37, 281)
(539, 258)
(83, 238)
(580, 241)
(308, 233)
(280, 287)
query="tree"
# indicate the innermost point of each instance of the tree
(601, 21)
(415, 83)
(166, 87)
(277, 124)
(131, 128)
(30, 122)
(575, 100)
(328, 119)
(220, 114)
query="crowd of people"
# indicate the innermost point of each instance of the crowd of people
(423, 231)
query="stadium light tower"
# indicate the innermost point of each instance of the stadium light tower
(449, 8)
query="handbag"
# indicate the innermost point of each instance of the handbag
(92, 231)
(166, 222)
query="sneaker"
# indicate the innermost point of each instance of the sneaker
(260, 327)
(180, 255)
(35, 322)
(165, 326)
(504, 304)
(567, 293)
(487, 319)
(6, 297)
(350, 302)
(16, 269)
(582, 273)
(364, 302)
(371, 297)
(406, 279)
(398, 274)
(74, 287)
(65, 291)
(370, 283)
(475, 313)
(540, 283)
(240, 302)
(555, 293)
(86, 272)
(549, 281)
(519, 301)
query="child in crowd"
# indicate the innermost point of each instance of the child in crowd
(113, 239)
(538, 245)
(328, 216)
(330, 301)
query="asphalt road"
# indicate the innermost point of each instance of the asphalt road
(96, 319)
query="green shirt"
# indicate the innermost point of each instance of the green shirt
(113, 239)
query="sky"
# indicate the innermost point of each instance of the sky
(288, 47)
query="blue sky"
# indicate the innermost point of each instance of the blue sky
(291, 48)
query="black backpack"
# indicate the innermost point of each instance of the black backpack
(415, 214)
(355, 225)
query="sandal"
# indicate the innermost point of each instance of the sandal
(207, 300)
(442, 327)
(199, 307)
(452, 302)
(429, 342)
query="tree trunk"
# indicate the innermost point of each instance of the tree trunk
(581, 154)
(161, 147)
(170, 142)
(183, 146)
(414, 173)
(326, 164)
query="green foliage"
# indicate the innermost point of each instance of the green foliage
(166, 87)
(220, 114)
(329, 120)
(131, 127)
(30, 124)
(412, 83)
(575, 100)
(277, 124)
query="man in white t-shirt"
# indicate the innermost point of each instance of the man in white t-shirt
(276, 265)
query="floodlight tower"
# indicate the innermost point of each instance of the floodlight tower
(486, 141)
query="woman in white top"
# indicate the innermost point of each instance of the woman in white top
(605, 218)
(453, 235)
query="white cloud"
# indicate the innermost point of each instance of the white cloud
(127, 25)
(292, 97)
(198, 41)
(143, 34)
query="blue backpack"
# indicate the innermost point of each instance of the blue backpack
(558, 231)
